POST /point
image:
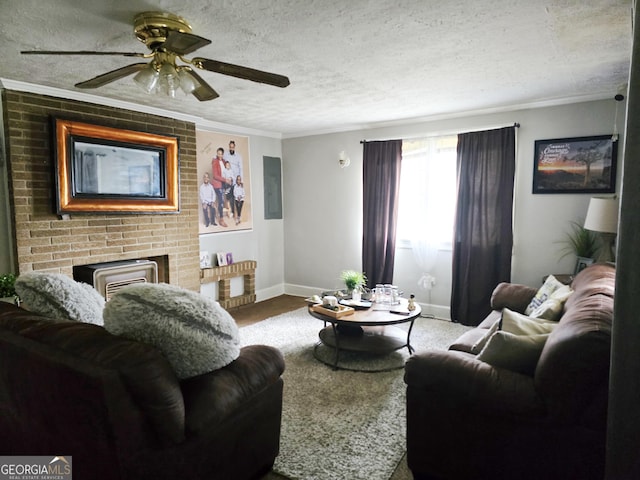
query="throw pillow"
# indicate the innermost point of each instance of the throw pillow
(518, 324)
(195, 333)
(518, 353)
(479, 345)
(551, 309)
(550, 285)
(548, 310)
(563, 293)
(58, 296)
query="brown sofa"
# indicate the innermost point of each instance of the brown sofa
(467, 419)
(116, 407)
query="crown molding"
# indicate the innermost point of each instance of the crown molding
(201, 123)
(211, 125)
(454, 115)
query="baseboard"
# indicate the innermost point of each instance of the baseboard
(302, 290)
(441, 312)
(438, 311)
(271, 292)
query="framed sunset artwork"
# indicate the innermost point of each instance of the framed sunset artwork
(575, 165)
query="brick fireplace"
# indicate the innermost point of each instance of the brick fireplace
(45, 242)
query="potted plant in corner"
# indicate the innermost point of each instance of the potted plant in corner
(582, 243)
(7, 288)
(355, 282)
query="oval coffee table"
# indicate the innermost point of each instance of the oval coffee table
(372, 331)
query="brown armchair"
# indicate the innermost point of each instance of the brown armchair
(117, 408)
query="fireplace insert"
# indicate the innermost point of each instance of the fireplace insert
(109, 277)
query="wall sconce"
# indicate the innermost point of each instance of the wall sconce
(343, 160)
(602, 217)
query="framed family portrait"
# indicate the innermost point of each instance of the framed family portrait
(102, 169)
(575, 165)
(224, 182)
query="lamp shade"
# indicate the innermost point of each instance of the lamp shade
(602, 215)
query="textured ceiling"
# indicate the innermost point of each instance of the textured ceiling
(351, 63)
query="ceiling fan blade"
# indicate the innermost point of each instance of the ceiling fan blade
(203, 91)
(182, 43)
(245, 73)
(83, 52)
(111, 76)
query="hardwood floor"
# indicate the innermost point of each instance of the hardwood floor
(249, 314)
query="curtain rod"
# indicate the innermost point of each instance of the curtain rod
(515, 124)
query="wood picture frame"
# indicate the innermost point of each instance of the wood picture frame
(102, 169)
(582, 263)
(221, 259)
(575, 165)
(205, 260)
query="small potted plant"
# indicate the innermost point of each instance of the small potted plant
(7, 288)
(354, 281)
(582, 243)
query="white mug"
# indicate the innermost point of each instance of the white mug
(330, 300)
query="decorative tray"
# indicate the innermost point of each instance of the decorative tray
(339, 312)
(361, 305)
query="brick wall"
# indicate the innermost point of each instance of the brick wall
(223, 275)
(46, 242)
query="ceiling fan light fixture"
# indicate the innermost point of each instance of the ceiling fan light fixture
(169, 38)
(169, 81)
(147, 78)
(187, 82)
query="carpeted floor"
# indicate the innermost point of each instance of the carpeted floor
(340, 424)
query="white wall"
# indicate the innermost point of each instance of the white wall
(265, 242)
(322, 228)
(323, 203)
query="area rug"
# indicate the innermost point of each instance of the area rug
(339, 424)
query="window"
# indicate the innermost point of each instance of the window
(427, 191)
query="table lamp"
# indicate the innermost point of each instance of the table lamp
(602, 217)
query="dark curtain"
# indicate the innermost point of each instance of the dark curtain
(381, 186)
(483, 236)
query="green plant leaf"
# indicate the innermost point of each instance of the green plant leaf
(7, 285)
(580, 242)
(353, 279)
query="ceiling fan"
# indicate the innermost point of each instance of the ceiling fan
(169, 38)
